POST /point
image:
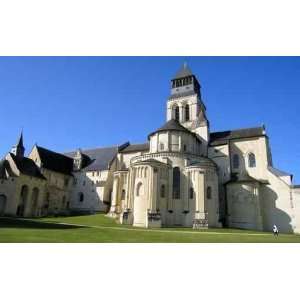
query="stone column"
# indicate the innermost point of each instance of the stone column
(259, 222)
(132, 188)
(153, 216)
(169, 142)
(187, 193)
(200, 220)
(201, 196)
(150, 190)
(28, 204)
(115, 194)
(119, 201)
(180, 143)
(170, 190)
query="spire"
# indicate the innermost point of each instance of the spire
(184, 71)
(19, 149)
(20, 142)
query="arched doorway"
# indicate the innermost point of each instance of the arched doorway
(140, 206)
(34, 202)
(23, 201)
(3, 200)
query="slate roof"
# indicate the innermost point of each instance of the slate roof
(245, 178)
(100, 158)
(149, 161)
(171, 125)
(55, 161)
(27, 166)
(20, 141)
(136, 148)
(277, 172)
(220, 138)
(184, 71)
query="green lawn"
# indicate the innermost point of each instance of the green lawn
(99, 228)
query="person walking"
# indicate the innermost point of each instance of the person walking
(275, 230)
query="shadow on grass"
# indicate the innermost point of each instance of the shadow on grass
(21, 223)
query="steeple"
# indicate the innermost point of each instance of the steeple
(185, 83)
(19, 150)
(186, 105)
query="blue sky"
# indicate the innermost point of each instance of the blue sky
(68, 102)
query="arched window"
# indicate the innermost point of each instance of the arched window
(187, 113)
(176, 113)
(251, 160)
(191, 193)
(81, 197)
(176, 183)
(163, 191)
(23, 201)
(236, 161)
(139, 189)
(208, 192)
(123, 194)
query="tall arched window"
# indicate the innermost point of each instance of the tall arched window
(208, 192)
(191, 193)
(23, 201)
(176, 113)
(123, 194)
(187, 113)
(251, 160)
(176, 183)
(81, 197)
(163, 191)
(139, 189)
(236, 161)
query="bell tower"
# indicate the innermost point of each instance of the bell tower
(185, 104)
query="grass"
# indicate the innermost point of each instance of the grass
(101, 229)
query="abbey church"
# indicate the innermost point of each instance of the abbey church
(183, 175)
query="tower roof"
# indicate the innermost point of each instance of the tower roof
(172, 125)
(184, 71)
(20, 140)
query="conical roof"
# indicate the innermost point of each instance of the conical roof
(184, 71)
(20, 141)
(172, 125)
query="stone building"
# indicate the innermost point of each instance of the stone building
(58, 172)
(93, 176)
(188, 176)
(22, 184)
(184, 175)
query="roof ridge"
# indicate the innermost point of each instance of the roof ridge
(239, 129)
(139, 144)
